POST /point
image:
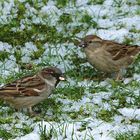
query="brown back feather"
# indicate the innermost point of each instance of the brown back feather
(23, 87)
(119, 51)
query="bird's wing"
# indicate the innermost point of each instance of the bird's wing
(119, 51)
(27, 86)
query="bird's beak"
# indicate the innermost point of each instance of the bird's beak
(62, 78)
(83, 44)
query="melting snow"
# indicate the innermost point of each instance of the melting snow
(113, 25)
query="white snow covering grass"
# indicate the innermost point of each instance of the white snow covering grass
(115, 22)
(130, 113)
(94, 129)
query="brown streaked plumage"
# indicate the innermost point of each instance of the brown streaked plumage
(30, 90)
(108, 56)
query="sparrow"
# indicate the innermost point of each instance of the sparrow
(31, 90)
(108, 56)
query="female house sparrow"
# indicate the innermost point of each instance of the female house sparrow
(31, 90)
(108, 56)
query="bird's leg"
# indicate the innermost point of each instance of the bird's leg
(32, 112)
(19, 110)
(106, 75)
(120, 74)
(118, 77)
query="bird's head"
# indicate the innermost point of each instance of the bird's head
(52, 74)
(89, 40)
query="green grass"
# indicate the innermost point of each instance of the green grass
(128, 136)
(70, 25)
(12, 129)
(96, 2)
(69, 92)
(5, 135)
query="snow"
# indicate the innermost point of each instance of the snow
(136, 77)
(31, 136)
(131, 22)
(114, 23)
(5, 47)
(66, 130)
(127, 80)
(130, 113)
(49, 9)
(113, 34)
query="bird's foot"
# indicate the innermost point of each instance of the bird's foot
(33, 113)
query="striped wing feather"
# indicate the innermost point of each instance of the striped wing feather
(23, 87)
(119, 51)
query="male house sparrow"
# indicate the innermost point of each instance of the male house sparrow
(108, 56)
(30, 90)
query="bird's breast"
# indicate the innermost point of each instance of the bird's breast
(100, 60)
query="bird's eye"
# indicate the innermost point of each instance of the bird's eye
(56, 74)
(49, 71)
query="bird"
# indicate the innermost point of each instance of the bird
(32, 89)
(108, 56)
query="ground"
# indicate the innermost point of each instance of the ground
(85, 107)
